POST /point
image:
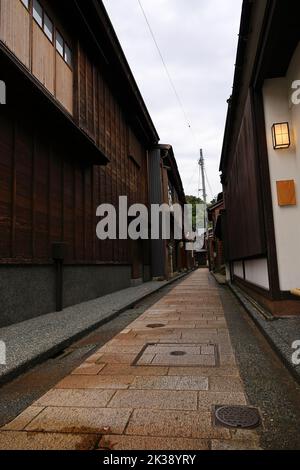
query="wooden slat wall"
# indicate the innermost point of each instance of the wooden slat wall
(27, 41)
(243, 200)
(15, 29)
(102, 118)
(64, 84)
(43, 59)
(47, 195)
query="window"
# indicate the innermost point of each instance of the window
(59, 44)
(48, 27)
(68, 55)
(63, 49)
(25, 3)
(37, 13)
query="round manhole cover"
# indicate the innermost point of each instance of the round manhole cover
(178, 353)
(238, 417)
(155, 325)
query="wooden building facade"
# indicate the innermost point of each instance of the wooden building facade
(215, 250)
(168, 257)
(75, 133)
(261, 157)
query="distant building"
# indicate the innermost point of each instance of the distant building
(215, 250)
(261, 157)
(168, 256)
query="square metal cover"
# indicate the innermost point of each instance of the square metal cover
(168, 354)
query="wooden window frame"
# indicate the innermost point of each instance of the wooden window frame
(42, 28)
(56, 29)
(65, 43)
(57, 32)
(34, 19)
(53, 27)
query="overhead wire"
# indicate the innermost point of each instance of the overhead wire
(176, 93)
(165, 65)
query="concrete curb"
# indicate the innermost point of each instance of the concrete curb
(19, 369)
(281, 348)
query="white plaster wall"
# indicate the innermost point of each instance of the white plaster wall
(256, 272)
(238, 269)
(285, 164)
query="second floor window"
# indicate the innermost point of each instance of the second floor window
(63, 49)
(37, 12)
(59, 44)
(47, 25)
(68, 55)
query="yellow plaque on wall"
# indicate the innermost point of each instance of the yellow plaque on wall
(286, 193)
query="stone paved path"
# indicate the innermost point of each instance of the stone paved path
(152, 387)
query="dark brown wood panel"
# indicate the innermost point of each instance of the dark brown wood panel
(48, 193)
(243, 199)
(6, 184)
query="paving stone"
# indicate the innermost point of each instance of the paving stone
(199, 336)
(225, 349)
(233, 445)
(226, 384)
(46, 441)
(168, 360)
(115, 349)
(181, 424)
(245, 435)
(94, 358)
(204, 371)
(180, 325)
(214, 324)
(23, 419)
(111, 358)
(206, 400)
(155, 399)
(117, 369)
(81, 420)
(194, 350)
(208, 350)
(152, 443)
(227, 360)
(88, 369)
(95, 382)
(131, 342)
(170, 383)
(205, 325)
(76, 398)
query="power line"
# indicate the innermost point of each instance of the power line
(193, 176)
(208, 182)
(166, 68)
(173, 87)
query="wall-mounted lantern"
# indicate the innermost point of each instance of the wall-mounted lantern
(281, 135)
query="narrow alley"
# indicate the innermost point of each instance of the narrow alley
(157, 383)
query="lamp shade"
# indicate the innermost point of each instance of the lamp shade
(281, 135)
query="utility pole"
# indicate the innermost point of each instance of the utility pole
(202, 173)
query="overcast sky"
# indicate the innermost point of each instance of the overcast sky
(198, 40)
